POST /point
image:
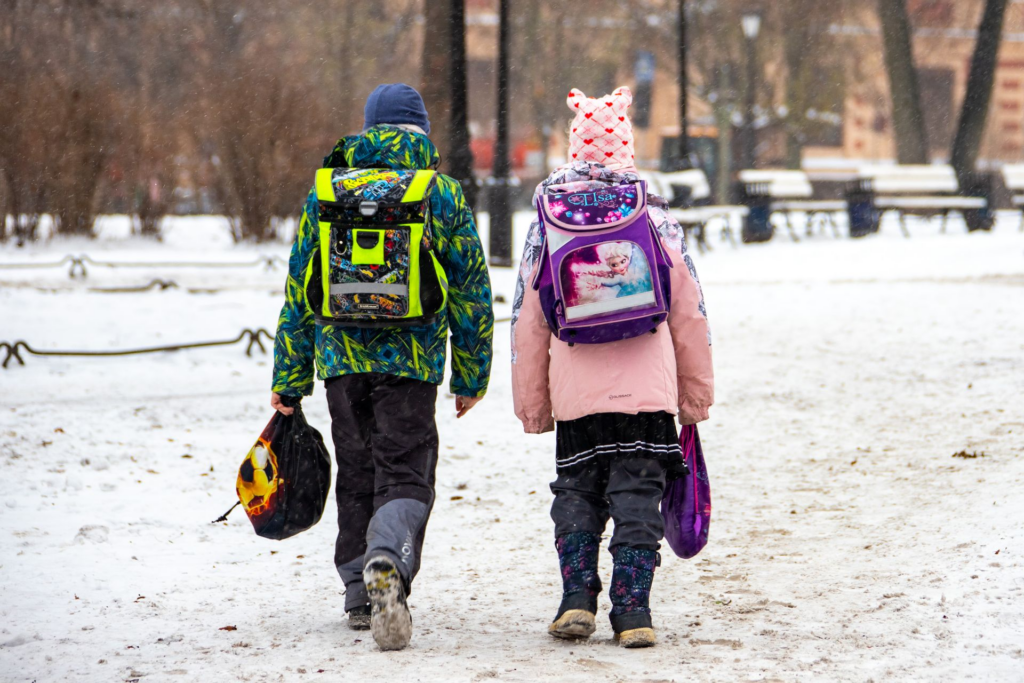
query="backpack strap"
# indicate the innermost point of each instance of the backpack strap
(542, 257)
(421, 183)
(542, 264)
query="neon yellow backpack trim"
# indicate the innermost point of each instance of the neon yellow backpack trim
(374, 233)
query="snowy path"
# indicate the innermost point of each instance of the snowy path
(847, 542)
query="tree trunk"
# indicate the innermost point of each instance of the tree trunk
(974, 111)
(436, 74)
(460, 156)
(908, 119)
(723, 113)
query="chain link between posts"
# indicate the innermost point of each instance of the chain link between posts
(13, 350)
(77, 269)
(77, 264)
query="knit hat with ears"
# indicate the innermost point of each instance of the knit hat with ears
(602, 131)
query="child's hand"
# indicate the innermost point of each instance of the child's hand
(278, 404)
(463, 404)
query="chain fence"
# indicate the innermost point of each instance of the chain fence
(250, 337)
(77, 264)
(77, 270)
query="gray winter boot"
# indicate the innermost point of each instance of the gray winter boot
(390, 621)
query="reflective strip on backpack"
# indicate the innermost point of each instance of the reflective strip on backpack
(325, 265)
(418, 187)
(369, 288)
(325, 185)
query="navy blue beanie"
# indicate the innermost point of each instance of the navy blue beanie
(395, 103)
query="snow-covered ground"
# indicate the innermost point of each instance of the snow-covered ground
(848, 543)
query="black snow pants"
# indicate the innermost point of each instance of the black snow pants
(628, 489)
(385, 442)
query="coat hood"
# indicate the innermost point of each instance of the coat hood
(384, 146)
(581, 176)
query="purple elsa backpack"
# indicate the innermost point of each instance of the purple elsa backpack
(604, 273)
(686, 505)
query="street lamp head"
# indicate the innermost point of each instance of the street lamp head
(751, 25)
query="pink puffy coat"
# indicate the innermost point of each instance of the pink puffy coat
(668, 371)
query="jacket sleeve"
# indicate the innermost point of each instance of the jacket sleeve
(692, 343)
(294, 344)
(531, 344)
(470, 314)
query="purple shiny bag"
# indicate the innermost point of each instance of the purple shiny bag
(686, 505)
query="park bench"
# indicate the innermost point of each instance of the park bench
(1013, 178)
(689, 194)
(771, 192)
(925, 191)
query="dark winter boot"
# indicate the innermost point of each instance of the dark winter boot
(630, 594)
(577, 557)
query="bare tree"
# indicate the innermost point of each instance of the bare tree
(460, 158)
(974, 110)
(814, 71)
(437, 71)
(908, 118)
(27, 107)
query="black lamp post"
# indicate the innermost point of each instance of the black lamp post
(499, 204)
(683, 162)
(751, 29)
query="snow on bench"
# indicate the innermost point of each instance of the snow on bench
(679, 187)
(790, 192)
(687, 193)
(1013, 178)
(915, 191)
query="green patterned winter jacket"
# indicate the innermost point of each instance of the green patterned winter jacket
(417, 352)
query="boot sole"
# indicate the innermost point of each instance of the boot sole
(573, 625)
(636, 638)
(390, 621)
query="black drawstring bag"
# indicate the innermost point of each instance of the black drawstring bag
(284, 480)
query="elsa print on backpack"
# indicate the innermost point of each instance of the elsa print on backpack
(620, 271)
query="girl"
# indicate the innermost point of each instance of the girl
(614, 404)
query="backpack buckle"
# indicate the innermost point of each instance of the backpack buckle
(368, 208)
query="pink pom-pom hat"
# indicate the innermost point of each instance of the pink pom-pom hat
(602, 131)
